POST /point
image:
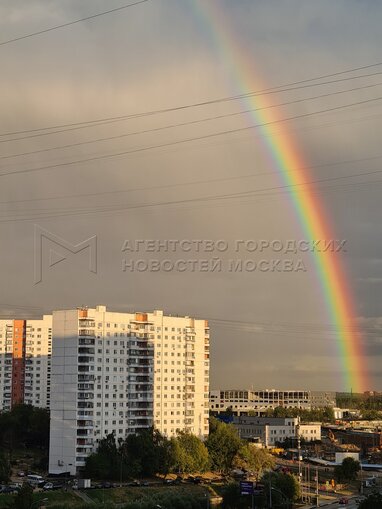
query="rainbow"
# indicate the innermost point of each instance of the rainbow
(292, 170)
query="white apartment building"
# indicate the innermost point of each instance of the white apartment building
(120, 372)
(25, 358)
(273, 430)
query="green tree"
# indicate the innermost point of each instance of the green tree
(191, 455)
(285, 487)
(24, 498)
(347, 471)
(232, 499)
(105, 463)
(253, 459)
(148, 449)
(5, 469)
(24, 426)
(223, 443)
(371, 415)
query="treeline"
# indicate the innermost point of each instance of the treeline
(359, 401)
(149, 452)
(314, 415)
(24, 426)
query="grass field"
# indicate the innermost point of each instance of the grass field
(108, 496)
(121, 495)
(55, 498)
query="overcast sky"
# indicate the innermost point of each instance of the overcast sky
(268, 329)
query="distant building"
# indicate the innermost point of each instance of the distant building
(259, 401)
(25, 362)
(273, 430)
(364, 439)
(322, 399)
(123, 372)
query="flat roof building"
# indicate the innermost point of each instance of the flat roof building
(25, 362)
(121, 372)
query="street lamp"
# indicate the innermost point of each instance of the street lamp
(39, 502)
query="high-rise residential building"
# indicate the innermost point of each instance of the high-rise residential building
(25, 357)
(121, 372)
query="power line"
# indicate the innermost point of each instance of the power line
(186, 140)
(183, 124)
(109, 120)
(243, 194)
(63, 25)
(194, 182)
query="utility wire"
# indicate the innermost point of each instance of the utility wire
(183, 124)
(243, 194)
(110, 120)
(63, 25)
(186, 140)
(194, 182)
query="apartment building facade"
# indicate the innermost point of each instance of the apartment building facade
(121, 372)
(25, 362)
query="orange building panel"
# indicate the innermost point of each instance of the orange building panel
(18, 363)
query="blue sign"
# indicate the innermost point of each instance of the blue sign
(246, 487)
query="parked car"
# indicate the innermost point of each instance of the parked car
(21, 474)
(8, 489)
(343, 501)
(16, 485)
(134, 483)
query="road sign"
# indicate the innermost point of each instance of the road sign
(246, 487)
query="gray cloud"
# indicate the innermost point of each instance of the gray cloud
(161, 55)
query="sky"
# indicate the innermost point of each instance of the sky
(136, 69)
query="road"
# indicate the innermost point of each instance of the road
(351, 505)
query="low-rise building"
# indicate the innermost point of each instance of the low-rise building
(259, 401)
(272, 430)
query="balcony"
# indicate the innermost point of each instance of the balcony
(85, 441)
(86, 350)
(83, 432)
(85, 387)
(85, 378)
(85, 404)
(135, 396)
(86, 341)
(139, 413)
(85, 395)
(84, 424)
(86, 333)
(82, 359)
(84, 413)
(146, 405)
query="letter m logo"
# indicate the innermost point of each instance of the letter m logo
(42, 236)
